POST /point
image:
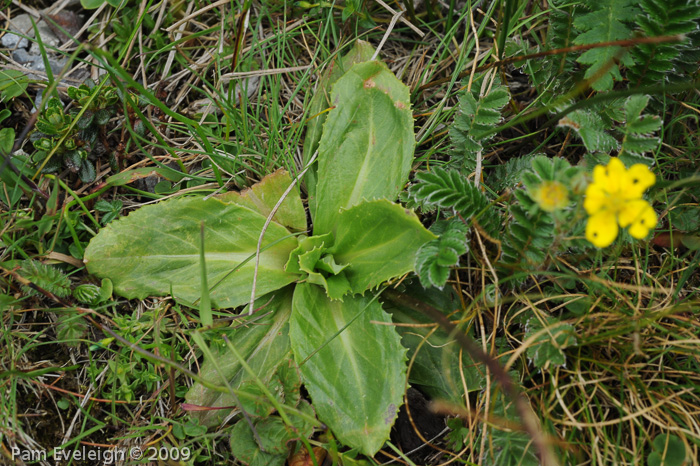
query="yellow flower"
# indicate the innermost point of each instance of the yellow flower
(615, 197)
(551, 195)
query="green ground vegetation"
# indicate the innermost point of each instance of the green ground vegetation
(436, 166)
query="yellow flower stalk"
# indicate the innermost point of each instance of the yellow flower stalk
(615, 198)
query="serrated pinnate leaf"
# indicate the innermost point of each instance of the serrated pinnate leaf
(591, 129)
(638, 137)
(448, 189)
(606, 22)
(507, 175)
(447, 256)
(70, 327)
(509, 447)
(553, 338)
(528, 237)
(45, 276)
(548, 168)
(475, 119)
(659, 62)
(427, 268)
(434, 259)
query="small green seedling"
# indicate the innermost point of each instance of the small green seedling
(73, 142)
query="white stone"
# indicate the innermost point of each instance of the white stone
(23, 25)
(36, 62)
(47, 37)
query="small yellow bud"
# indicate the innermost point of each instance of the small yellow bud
(551, 195)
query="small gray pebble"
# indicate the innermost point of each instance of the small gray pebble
(12, 41)
(23, 25)
(48, 38)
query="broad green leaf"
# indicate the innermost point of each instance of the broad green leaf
(263, 196)
(7, 140)
(92, 4)
(245, 448)
(275, 435)
(156, 249)
(348, 458)
(5, 114)
(261, 405)
(6, 302)
(13, 83)
(691, 242)
(353, 366)
(667, 450)
(290, 377)
(367, 144)
(262, 342)
(379, 240)
(362, 51)
(335, 283)
(307, 244)
(106, 290)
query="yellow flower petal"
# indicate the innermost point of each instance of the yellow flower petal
(596, 198)
(631, 211)
(615, 176)
(646, 221)
(639, 178)
(601, 229)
